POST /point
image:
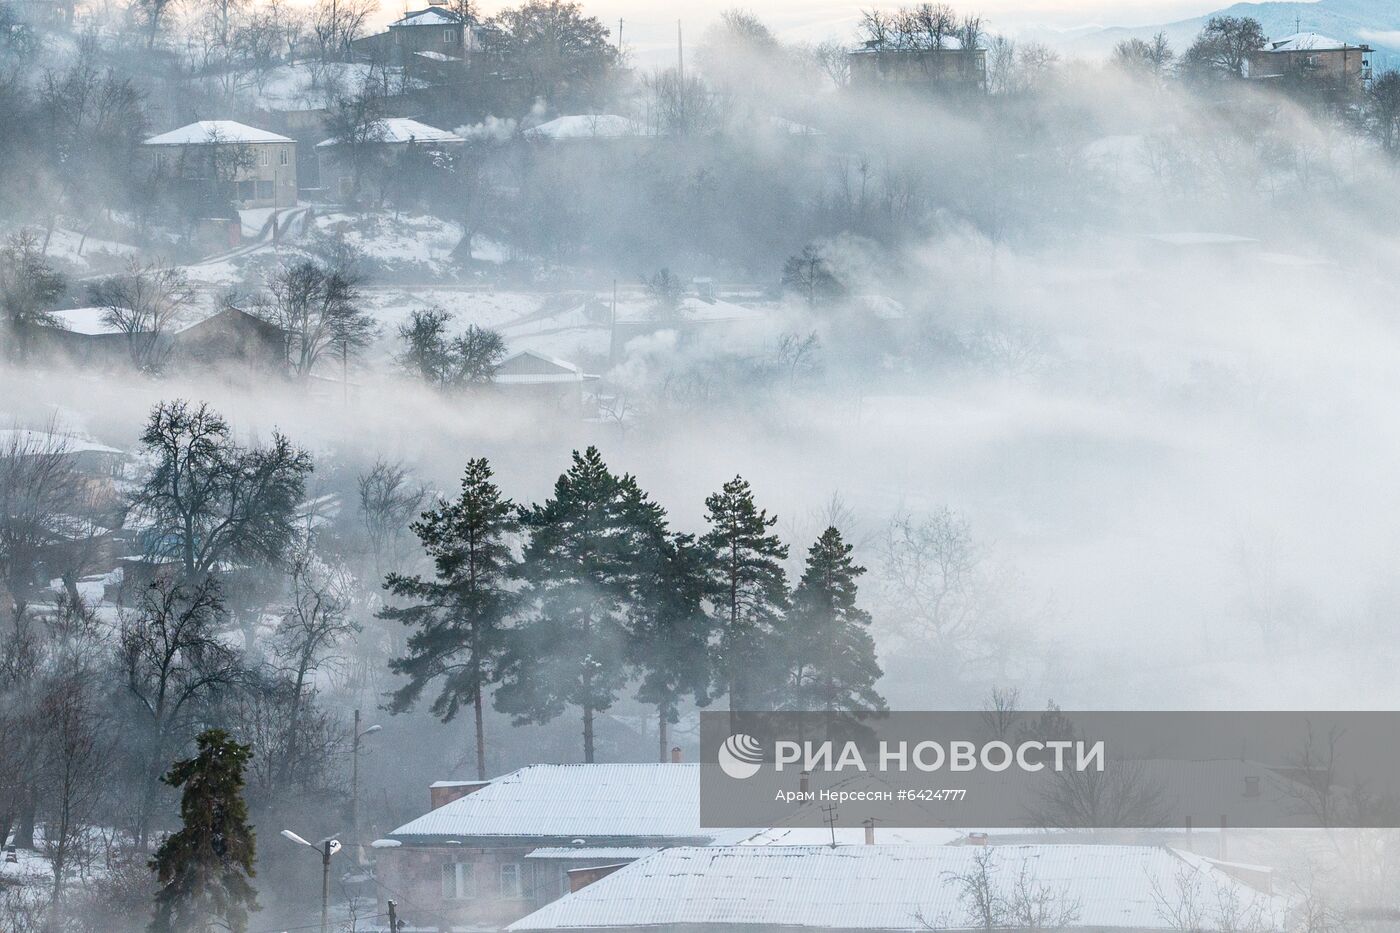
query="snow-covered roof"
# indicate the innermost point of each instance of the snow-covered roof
(26, 439)
(588, 126)
(89, 321)
(404, 130)
(883, 887)
(224, 131)
(568, 853)
(432, 16)
(1306, 42)
(851, 836)
(530, 367)
(432, 56)
(579, 801)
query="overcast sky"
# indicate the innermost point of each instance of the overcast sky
(649, 27)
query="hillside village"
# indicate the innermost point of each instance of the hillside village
(407, 432)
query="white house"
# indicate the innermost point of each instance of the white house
(258, 167)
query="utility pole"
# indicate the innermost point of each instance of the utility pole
(326, 847)
(355, 839)
(619, 35)
(326, 886)
(355, 785)
(393, 917)
(680, 75)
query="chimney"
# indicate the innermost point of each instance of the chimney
(1251, 785)
(976, 839)
(675, 754)
(441, 793)
(870, 831)
(804, 784)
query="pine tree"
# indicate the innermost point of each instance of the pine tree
(827, 652)
(459, 616)
(748, 588)
(670, 633)
(580, 567)
(205, 867)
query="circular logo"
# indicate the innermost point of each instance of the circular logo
(740, 756)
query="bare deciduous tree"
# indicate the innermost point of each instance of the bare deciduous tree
(142, 303)
(38, 486)
(173, 663)
(318, 307)
(209, 500)
(992, 901)
(315, 622)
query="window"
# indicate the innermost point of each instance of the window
(265, 191)
(247, 190)
(264, 157)
(282, 156)
(459, 881)
(510, 879)
(449, 37)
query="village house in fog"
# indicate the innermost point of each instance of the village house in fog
(948, 67)
(1307, 55)
(490, 852)
(540, 378)
(435, 33)
(250, 167)
(394, 136)
(231, 343)
(887, 888)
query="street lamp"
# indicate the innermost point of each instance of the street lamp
(355, 783)
(327, 847)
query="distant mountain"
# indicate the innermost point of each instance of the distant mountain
(1373, 22)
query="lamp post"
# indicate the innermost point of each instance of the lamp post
(327, 847)
(355, 783)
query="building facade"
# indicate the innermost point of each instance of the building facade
(436, 32)
(950, 68)
(1307, 56)
(230, 162)
(490, 852)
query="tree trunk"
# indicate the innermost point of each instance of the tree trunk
(588, 734)
(480, 735)
(663, 732)
(24, 832)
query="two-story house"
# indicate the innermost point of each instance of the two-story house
(231, 161)
(1307, 55)
(436, 33)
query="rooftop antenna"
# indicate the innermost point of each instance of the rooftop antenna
(829, 815)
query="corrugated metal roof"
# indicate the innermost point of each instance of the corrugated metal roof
(851, 836)
(896, 888)
(604, 801)
(565, 853)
